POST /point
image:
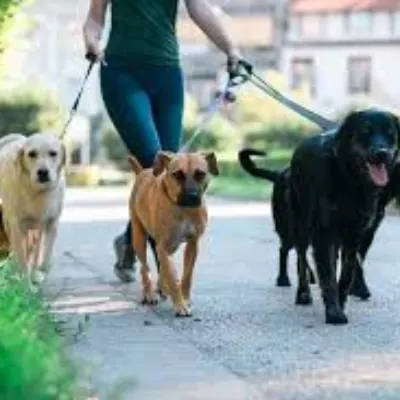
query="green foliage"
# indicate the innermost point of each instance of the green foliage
(33, 363)
(219, 134)
(29, 109)
(286, 134)
(115, 148)
(8, 9)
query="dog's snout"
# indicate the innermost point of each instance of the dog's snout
(380, 156)
(190, 198)
(43, 175)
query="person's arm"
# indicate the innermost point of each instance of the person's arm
(207, 19)
(93, 27)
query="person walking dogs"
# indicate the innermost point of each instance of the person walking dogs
(142, 82)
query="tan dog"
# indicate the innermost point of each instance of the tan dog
(167, 204)
(32, 191)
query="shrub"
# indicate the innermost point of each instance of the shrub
(115, 148)
(33, 363)
(230, 167)
(218, 134)
(279, 135)
(27, 110)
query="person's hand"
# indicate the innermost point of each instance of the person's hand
(233, 63)
(92, 36)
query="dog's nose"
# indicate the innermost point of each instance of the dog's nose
(380, 156)
(190, 198)
(43, 175)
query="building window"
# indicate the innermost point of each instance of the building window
(396, 23)
(335, 26)
(359, 73)
(303, 74)
(311, 25)
(359, 23)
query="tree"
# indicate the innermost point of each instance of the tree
(8, 10)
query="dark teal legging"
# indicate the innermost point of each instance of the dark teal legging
(145, 104)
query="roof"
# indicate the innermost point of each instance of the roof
(314, 6)
(246, 31)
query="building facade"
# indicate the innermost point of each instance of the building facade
(344, 51)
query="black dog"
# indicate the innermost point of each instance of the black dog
(281, 217)
(280, 210)
(337, 185)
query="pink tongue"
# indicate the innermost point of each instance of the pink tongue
(378, 174)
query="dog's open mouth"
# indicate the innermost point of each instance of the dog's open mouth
(378, 173)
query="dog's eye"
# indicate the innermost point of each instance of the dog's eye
(52, 153)
(32, 154)
(199, 175)
(179, 176)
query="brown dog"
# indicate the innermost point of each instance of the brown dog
(167, 205)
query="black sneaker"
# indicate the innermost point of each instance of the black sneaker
(124, 268)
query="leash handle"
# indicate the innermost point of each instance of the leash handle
(91, 57)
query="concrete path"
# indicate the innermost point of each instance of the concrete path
(246, 340)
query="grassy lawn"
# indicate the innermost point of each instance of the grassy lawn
(33, 361)
(241, 188)
(236, 183)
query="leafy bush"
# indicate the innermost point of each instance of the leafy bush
(115, 148)
(279, 135)
(33, 363)
(218, 134)
(27, 110)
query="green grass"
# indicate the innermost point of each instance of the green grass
(33, 364)
(236, 183)
(241, 188)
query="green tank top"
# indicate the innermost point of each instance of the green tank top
(144, 31)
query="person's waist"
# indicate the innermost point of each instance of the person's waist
(137, 60)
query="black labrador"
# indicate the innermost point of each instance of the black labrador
(282, 223)
(336, 189)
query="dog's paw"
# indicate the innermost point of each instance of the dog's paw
(38, 277)
(283, 281)
(335, 317)
(149, 298)
(182, 310)
(303, 298)
(360, 291)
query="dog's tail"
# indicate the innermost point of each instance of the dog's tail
(249, 166)
(135, 164)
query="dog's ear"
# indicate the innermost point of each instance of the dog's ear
(346, 131)
(134, 163)
(161, 162)
(212, 163)
(20, 161)
(63, 155)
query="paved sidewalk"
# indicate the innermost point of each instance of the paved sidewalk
(126, 346)
(247, 339)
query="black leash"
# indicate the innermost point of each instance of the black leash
(74, 108)
(269, 90)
